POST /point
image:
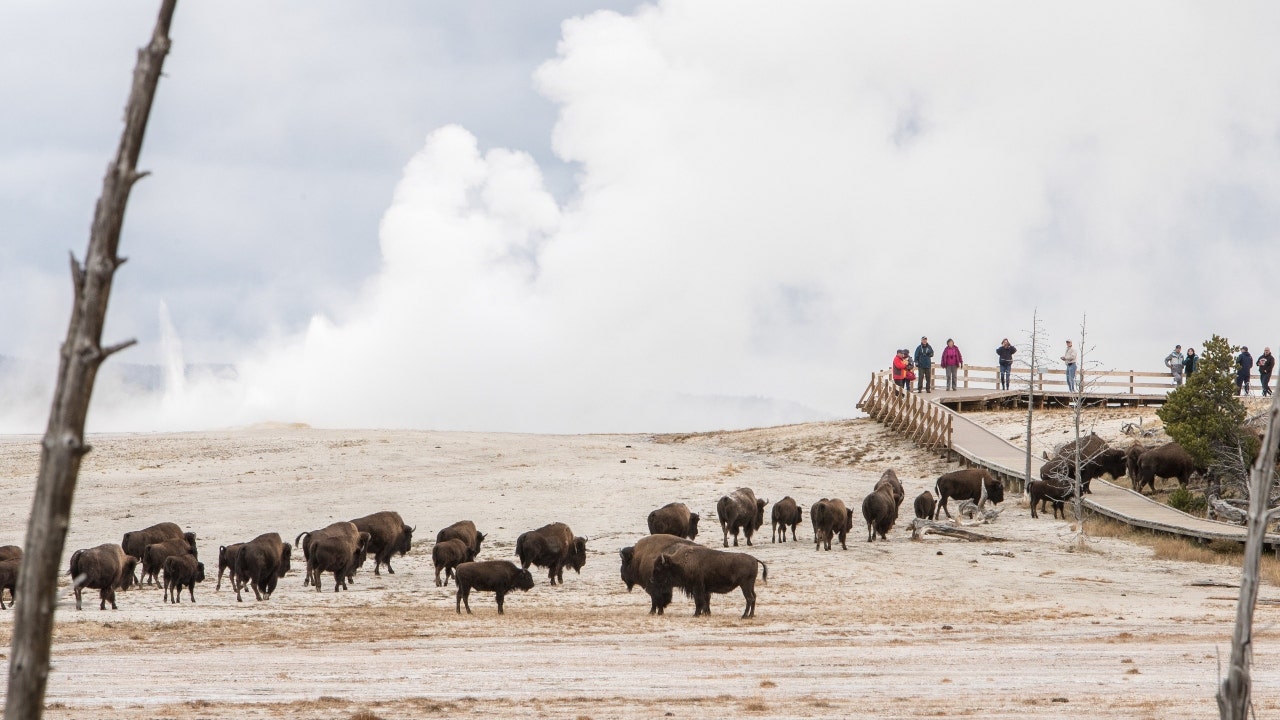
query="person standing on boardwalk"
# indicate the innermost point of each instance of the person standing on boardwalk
(1005, 352)
(951, 359)
(1189, 362)
(1266, 361)
(924, 366)
(1070, 357)
(1173, 361)
(902, 371)
(1244, 364)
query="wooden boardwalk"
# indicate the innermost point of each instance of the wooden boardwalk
(977, 445)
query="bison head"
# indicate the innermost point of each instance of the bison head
(663, 577)
(199, 572)
(693, 525)
(406, 538)
(760, 511)
(479, 539)
(628, 576)
(995, 490)
(524, 580)
(362, 549)
(578, 557)
(285, 553)
(127, 577)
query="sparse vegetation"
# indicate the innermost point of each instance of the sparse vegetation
(1170, 547)
(1188, 502)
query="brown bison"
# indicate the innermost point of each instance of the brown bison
(226, 561)
(448, 555)
(259, 563)
(551, 546)
(181, 571)
(10, 552)
(463, 530)
(339, 548)
(497, 576)
(637, 567)
(785, 514)
(700, 571)
(880, 511)
(974, 484)
(1166, 461)
(889, 479)
(135, 542)
(104, 568)
(674, 519)
(388, 535)
(9, 579)
(1053, 490)
(740, 510)
(153, 555)
(830, 518)
(1131, 458)
(925, 505)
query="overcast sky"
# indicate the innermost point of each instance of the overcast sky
(598, 216)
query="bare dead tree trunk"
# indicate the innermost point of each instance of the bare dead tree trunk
(1234, 697)
(1031, 391)
(63, 446)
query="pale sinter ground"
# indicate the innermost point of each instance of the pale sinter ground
(898, 629)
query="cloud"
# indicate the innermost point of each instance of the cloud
(761, 216)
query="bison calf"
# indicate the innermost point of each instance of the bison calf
(786, 513)
(925, 505)
(497, 576)
(447, 556)
(181, 571)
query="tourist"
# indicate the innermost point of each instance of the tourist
(1174, 362)
(1070, 357)
(1005, 352)
(951, 359)
(1244, 364)
(1266, 361)
(1189, 362)
(902, 371)
(924, 366)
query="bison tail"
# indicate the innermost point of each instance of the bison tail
(764, 576)
(298, 540)
(75, 560)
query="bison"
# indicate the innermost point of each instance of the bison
(259, 563)
(135, 542)
(890, 479)
(637, 567)
(497, 576)
(974, 484)
(153, 555)
(448, 555)
(1053, 490)
(674, 519)
(1131, 458)
(830, 518)
(786, 513)
(740, 510)
(226, 561)
(339, 548)
(925, 505)
(388, 535)
(9, 579)
(463, 530)
(700, 571)
(880, 510)
(10, 552)
(1166, 461)
(551, 546)
(181, 571)
(105, 568)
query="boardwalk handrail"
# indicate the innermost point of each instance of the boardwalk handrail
(919, 420)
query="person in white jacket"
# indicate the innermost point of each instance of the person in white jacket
(1070, 357)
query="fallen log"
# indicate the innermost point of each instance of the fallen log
(921, 527)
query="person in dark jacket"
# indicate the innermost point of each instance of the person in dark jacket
(1005, 352)
(1244, 364)
(1189, 362)
(924, 366)
(1266, 362)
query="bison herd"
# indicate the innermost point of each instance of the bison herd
(669, 558)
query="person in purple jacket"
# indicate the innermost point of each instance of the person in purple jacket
(951, 359)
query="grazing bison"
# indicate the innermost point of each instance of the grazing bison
(226, 561)
(388, 535)
(153, 555)
(551, 546)
(700, 571)
(925, 505)
(786, 513)
(259, 563)
(740, 510)
(339, 548)
(880, 511)
(135, 542)
(463, 530)
(1166, 461)
(10, 552)
(181, 571)
(448, 555)
(674, 519)
(9, 579)
(974, 484)
(105, 568)
(637, 567)
(830, 518)
(890, 479)
(1055, 490)
(1131, 458)
(497, 576)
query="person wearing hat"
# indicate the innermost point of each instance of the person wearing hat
(902, 371)
(1173, 361)
(1070, 357)
(1266, 362)
(1005, 354)
(1244, 364)
(924, 366)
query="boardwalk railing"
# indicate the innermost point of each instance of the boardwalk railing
(1095, 382)
(918, 420)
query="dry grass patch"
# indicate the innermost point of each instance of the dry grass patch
(1171, 547)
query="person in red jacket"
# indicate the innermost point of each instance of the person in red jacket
(902, 375)
(951, 360)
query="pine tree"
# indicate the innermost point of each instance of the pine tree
(1204, 415)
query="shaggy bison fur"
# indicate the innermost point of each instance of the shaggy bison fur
(637, 567)
(889, 479)
(880, 510)
(388, 535)
(700, 571)
(553, 547)
(674, 519)
(1167, 461)
(830, 519)
(925, 505)
(339, 548)
(259, 563)
(785, 514)
(105, 568)
(740, 510)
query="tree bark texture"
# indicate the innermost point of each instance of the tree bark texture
(1234, 697)
(82, 353)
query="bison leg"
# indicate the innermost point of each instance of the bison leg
(749, 592)
(844, 534)
(464, 594)
(725, 528)
(79, 596)
(190, 588)
(500, 597)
